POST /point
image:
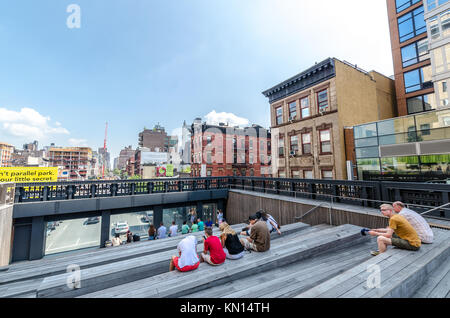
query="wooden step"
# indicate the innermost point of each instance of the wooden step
(176, 284)
(122, 272)
(399, 269)
(54, 266)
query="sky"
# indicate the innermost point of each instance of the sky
(136, 63)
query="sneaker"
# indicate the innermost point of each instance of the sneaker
(375, 253)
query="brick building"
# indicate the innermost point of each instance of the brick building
(226, 151)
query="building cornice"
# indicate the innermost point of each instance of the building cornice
(312, 76)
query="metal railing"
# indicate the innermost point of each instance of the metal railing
(425, 196)
(330, 207)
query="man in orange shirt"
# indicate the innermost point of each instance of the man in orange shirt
(399, 233)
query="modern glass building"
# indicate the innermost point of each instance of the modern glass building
(414, 147)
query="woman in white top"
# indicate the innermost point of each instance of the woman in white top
(272, 225)
(188, 259)
(173, 229)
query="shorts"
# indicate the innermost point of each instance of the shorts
(185, 268)
(234, 256)
(207, 259)
(403, 244)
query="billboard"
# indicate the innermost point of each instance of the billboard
(32, 174)
(148, 157)
(164, 171)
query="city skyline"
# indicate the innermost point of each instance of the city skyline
(129, 64)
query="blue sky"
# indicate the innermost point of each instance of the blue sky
(134, 63)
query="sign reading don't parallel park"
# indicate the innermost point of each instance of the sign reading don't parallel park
(32, 174)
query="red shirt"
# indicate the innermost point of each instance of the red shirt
(214, 246)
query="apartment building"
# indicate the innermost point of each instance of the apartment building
(76, 160)
(155, 139)
(221, 150)
(411, 58)
(310, 110)
(416, 145)
(437, 18)
(6, 151)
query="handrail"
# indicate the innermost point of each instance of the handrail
(435, 209)
(312, 210)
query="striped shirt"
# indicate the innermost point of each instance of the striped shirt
(419, 224)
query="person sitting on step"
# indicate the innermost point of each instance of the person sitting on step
(399, 233)
(188, 259)
(212, 245)
(259, 239)
(230, 242)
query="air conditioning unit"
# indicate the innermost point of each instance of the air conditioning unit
(293, 153)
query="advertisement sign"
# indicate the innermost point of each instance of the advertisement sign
(148, 157)
(164, 171)
(25, 174)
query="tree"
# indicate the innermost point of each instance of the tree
(135, 177)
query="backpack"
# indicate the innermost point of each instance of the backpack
(136, 238)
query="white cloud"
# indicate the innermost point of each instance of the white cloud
(28, 123)
(214, 118)
(74, 142)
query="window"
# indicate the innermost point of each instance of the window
(250, 144)
(420, 104)
(261, 145)
(308, 174)
(242, 144)
(281, 146)
(411, 24)
(418, 79)
(306, 144)
(294, 145)
(292, 111)
(208, 158)
(262, 159)
(209, 172)
(208, 139)
(327, 174)
(281, 174)
(432, 4)
(295, 174)
(279, 114)
(404, 4)
(251, 158)
(425, 129)
(434, 28)
(415, 53)
(304, 104)
(325, 141)
(322, 100)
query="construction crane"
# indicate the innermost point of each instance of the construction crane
(104, 152)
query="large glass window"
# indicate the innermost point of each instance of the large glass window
(365, 131)
(366, 142)
(368, 152)
(304, 104)
(323, 102)
(292, 111)
(135, 222)
(411, 24)
(400, 165)
(367, 166)
(404, 4)
(68, 235)
(421, 103)
(414, 53)
(179, 215)
(418, 79)
(435, 163)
